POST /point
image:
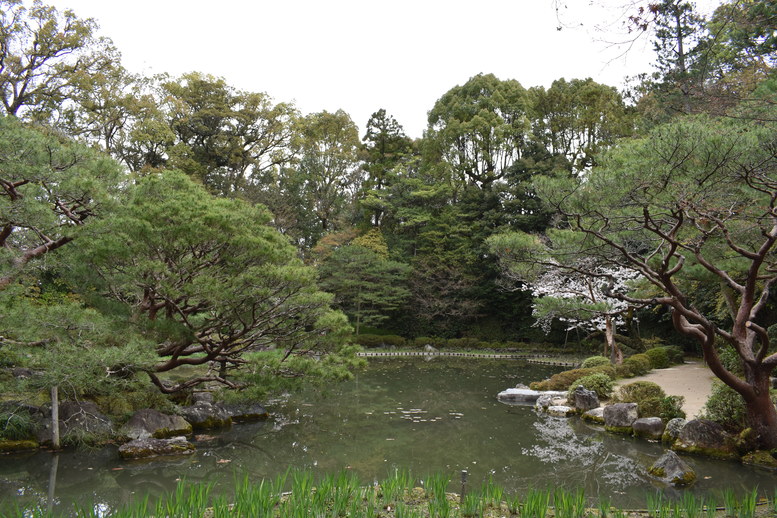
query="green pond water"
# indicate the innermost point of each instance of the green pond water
(426, 416)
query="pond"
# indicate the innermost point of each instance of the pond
(426, 416)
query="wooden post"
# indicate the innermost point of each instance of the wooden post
(55, 417)
(463, 484)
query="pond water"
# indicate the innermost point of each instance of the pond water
(426, 416)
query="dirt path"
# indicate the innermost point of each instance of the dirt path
(692, 380)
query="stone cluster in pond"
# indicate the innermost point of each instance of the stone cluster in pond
(149, 432)
(696, 436)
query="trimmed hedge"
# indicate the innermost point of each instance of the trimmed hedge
(563, 380)
(380, 340)
(599, 382)
(639, 364)
(595, 361)
(639, 391)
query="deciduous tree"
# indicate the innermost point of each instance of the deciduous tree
(46, 56)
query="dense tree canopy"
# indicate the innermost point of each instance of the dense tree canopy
(46, 56)
(50, 186)
(213, 273)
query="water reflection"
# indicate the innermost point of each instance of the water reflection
(439, 416)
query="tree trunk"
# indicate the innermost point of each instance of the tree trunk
(55, 417)
(616, 356)
(761, 413)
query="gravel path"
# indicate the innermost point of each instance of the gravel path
(692, 380)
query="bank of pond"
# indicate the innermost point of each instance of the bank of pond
(422, 414)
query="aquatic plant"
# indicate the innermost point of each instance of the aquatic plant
(569, 505)
(535, 504)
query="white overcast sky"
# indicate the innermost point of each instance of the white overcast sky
(362, 55)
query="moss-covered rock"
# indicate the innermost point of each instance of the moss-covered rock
(708, 438)
(651, 428)
(204, 415)
(761, 459)
(19, 445)
(672, 430)
(595, 416)
(148, 422)
(150, 447)
(673, 470)
(619, 418)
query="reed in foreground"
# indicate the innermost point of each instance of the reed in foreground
(297, 494)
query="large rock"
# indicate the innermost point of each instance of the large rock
(152, 423)
(672, 430)
(649, 428)
(673, 470)
(245, 411)
(584, 399)
(77, 419)
(204, 415)
(705, 438)
(543, 401)
(619, 417)
(150, 447)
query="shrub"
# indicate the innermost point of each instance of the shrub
(666, 408)
(595, 361)
(563, 380)
(664, 356)
(651, 399)
(460, 343)
(16, 424)
(598, 382)
(726, 407)
(422, 341)
(639, 391)
(659, 359)
(367, 340)
(624, 370)
(639, 363)
(675, 353)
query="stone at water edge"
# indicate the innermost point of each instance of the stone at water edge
(543, 401)
(526, 395)
(584, 399)
(673, 470)
(619, 417)
(204, 415)
(560, 411)
(649, 428)
(150, 447)
(77, 418)
(148, 422)
(595, 415)
(761, 459)
(245, 411)
(672, 430)
(7, 446)
(706, 438)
